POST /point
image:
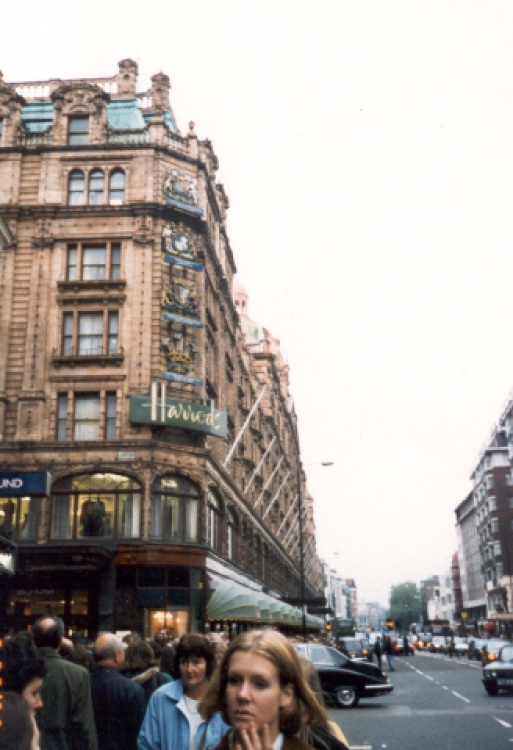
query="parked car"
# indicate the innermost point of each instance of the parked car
(438, 645)
(344, 681)
(354, 648)
(498, 675)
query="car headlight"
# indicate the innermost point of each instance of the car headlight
(490, 674)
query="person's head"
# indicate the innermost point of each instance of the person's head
(139, 657)
(24, 671)
(260, 681)
(17, 726)
(109, 651)
(48, 631)
(194, 662)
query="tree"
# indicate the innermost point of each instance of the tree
(405, 605)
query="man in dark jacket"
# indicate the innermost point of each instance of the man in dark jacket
(66, 719)
(118, 703)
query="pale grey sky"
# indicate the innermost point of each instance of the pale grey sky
(366, 148)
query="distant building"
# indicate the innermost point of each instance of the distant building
(473, 593)
(484, 522)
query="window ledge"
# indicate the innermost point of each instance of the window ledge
(105, 285)
(101, 360)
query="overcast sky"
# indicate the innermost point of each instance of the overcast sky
(366, 147)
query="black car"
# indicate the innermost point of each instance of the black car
(354, 648)
(499, 674)
(344, 681)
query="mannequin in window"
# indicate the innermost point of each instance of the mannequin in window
(86, 518)
(97, 517)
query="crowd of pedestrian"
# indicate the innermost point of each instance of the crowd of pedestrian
(197, 693)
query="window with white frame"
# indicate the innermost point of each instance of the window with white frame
(89, 334)
(93, 262)
(96, 187)
(76, 188)
(86, 416)
(116, 187)
(88, 187)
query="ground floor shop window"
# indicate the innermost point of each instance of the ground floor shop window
(174, 510)
(37, 602)
(149, 598)
(96, 505)
(19, 518)
(173, 623)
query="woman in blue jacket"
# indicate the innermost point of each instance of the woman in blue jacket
(172, 720)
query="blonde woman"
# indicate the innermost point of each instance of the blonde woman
(261, 691)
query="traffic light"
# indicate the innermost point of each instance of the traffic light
(329, 626)
(390, 624)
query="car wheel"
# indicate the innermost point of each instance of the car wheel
(492, 690)
(347, 697)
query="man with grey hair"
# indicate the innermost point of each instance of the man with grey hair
(118, 703)
(66, 718)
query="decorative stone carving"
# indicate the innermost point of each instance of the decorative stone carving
(127, 78)
(160, 86)
(10, 112)
(180, 187)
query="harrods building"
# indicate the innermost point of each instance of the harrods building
(133, 381)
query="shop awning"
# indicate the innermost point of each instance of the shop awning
(231, 601)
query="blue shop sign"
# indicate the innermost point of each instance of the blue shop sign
(21, 483)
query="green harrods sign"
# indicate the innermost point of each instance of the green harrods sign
(173, 412)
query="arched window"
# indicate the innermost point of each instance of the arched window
(90, 506)
(174, 509)
(96, 187)
(213, 520)
(116, 186)
(76, 188)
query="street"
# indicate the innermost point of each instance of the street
(438, 703)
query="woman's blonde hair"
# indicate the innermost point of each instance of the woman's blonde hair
(304, 710)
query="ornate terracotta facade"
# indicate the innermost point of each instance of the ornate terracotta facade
(116, 273)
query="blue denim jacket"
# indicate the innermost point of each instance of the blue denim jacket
(165, 727)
